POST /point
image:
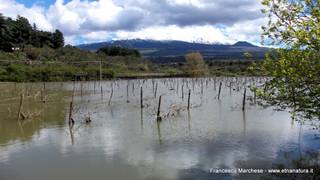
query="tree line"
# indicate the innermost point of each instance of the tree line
(119, 51)
(18, 33)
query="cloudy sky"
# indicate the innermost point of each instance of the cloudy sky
(85, 21)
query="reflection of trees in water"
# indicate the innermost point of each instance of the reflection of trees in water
(52, 112)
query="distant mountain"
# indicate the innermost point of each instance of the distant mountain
(174, 51)
(243, 44)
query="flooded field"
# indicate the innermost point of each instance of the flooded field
(114, 137)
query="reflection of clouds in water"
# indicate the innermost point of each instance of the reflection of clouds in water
(228, 159)
(173, 158)
(17, 146)
(88, 138)
(8, 150)
(138, 149)
(213, 137)
(179, 158)
(164, 164)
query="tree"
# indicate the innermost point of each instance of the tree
(119, 51)
(248, 55)
(295, 68)
(35, 39)
(24, 30)
(4, 35)
(3, 28)
(195, 65)
(57, 40)
(19, 33)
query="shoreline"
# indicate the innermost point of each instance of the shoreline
(141, 76)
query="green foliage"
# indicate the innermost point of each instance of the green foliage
(5, 43)
(32, 52)
(19, 33)
(66, 63)
(295, 23)
(12, 56)
(295, 69)
(57, 39)
(119, 51)
(248, 55)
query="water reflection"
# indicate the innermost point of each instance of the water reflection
(124, 137)
(71, 133)
(159, 131)
(244, 122)
(189, 123)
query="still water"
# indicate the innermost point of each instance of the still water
(123, 141)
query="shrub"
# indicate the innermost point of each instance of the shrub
(195, 65)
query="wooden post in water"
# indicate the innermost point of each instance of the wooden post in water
(158, 113)
(81, 87)
(43, 95)
(152, 85)
(177, 87)
(193, 84)
(189, 99)
(201, 87)
(101, 90)
(182, 93)
(128, 93)
(254, 95)
(110, 96)
(219, 90)
(20, 106)
(100, 70)
(244, 99)
(141, 97)
(155, 92)
(71, 121)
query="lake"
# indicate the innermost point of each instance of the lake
(124, 141)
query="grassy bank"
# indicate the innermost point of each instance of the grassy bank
(69, 64)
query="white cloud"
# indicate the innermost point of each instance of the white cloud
(188, 20)
(196, 3)
(73, 17)
(35, 14)
(205, 33)
(247, 30)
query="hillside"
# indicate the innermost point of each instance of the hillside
(174, 51)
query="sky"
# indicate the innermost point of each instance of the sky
(87, 21)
